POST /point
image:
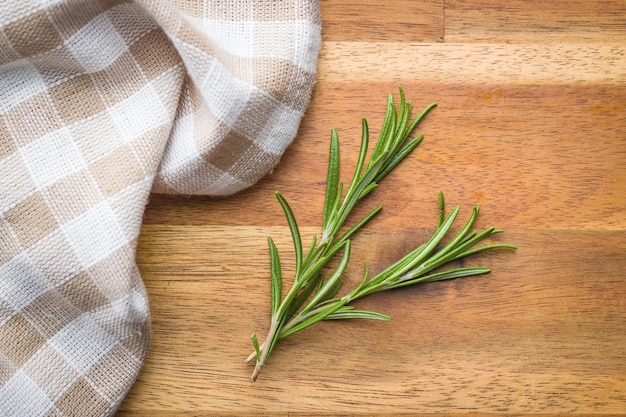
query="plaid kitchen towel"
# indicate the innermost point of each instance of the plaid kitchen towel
(102, 101)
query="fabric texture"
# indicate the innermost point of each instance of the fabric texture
(102, 102)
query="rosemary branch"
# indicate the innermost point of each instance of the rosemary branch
(312, 296)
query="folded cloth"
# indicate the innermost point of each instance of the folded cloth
(102, 101)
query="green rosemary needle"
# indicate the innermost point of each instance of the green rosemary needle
(312, 296)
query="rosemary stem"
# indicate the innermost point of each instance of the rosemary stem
(265, 349)
(312, 297)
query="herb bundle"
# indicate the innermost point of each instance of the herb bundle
(313, 295)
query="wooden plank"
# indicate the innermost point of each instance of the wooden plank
(535, 22)
(373, 20)
(474, 63)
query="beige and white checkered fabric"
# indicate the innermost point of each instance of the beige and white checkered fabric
(102, 101)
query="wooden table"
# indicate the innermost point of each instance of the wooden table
(531, 125)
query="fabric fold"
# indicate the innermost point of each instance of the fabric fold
(102, 103)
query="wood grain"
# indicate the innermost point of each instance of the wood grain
(534, 21)
(373, 20)
(530, 124)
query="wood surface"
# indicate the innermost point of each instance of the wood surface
(530, 124)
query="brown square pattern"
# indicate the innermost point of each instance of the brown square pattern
(50, 313)
(19, 120)
(208, 130)
(72, 15)
(73, 195)
(258, 110)
(265, 161)
(117, 170)
(119, 80)
(299, 80)
(57, 65)
(33, 34)
(7, 52)
(77, 99)
(228, 151)
(119, 264)
(265, 75)
(46, 253)
(7, 370)
(154, 53)
(82, 293)
(144, 147)
(188, 33)
(81, 400)
(281, 11)
(195, 97)
(9, 247)
(31, 220)
(108, 4)
(7, 146)
(20, 340)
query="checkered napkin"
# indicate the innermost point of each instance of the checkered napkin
(102, 101)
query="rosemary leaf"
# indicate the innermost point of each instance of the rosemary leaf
(295, 232)
(332, 179)
(348, 312)
(277, 278)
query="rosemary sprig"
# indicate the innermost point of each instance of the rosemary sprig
(313, 297)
